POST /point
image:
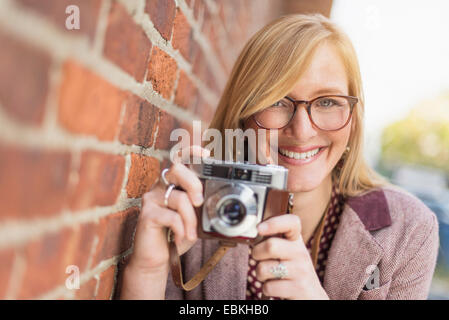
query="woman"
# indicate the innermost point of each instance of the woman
(375, 240)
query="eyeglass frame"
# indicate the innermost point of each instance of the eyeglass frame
(308, 106)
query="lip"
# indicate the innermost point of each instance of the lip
(301, 161)
(301, 149)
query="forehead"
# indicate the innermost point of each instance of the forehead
(325, 74)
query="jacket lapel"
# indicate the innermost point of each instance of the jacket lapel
(351, 256)
(227, 281)
(353, 250)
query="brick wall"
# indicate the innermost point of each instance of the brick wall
(85, 119)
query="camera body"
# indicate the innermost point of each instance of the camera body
(235, 197)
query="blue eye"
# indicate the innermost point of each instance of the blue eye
(326, 103)
(282, 103)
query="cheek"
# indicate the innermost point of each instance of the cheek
(339, 141)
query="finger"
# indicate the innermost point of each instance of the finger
(278, 288)
(164, 217)
(180, 202)
(180, 175)
(185, 154)
(277, 248)
(287, 224)
(264, 270)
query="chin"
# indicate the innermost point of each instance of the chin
(301, 183)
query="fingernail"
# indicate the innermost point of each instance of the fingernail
(198, 199)
(192, 234)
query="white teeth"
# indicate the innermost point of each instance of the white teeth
(299, 155)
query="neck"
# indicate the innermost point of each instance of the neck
(310, 206)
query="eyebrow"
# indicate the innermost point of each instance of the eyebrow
(324, 91)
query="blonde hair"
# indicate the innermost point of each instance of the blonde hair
(268, 68)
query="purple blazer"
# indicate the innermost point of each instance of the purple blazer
(386, 228)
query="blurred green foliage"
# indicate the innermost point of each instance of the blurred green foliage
(422, 137)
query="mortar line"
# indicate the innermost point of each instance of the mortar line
(143, 20)
(56, 139)
(41, 33)
(209, 54)
(100, 32)
(14, 233)
(85, 276)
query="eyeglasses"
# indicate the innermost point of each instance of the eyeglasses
(329, 113)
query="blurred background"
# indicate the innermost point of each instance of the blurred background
(86, 111)
(403, 54)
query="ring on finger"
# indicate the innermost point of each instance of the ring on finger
(280, 271)
(167, 193)
(164, 179)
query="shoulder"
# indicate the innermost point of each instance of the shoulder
(405, 207)
(390, 206)
(395, 217)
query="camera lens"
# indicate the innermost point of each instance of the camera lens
(232, 211)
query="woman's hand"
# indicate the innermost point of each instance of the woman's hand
(301, 281)
(147, 270)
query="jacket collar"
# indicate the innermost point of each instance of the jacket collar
(372, 209)
(354, 250)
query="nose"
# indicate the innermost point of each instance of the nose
(300, 126)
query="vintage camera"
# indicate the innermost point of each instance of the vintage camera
(235, 197)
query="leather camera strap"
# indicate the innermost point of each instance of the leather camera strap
(175, 261)
(176, 270)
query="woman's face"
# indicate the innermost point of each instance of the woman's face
(325, 75)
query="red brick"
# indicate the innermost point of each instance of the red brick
(162, 72)
(7, 260)
(106, 285)
(126, 44)
(186, 92)
(116, 235)
(166, 124)
(221, 10)
(198, 7)
(163, 141)
(162, 14)
(87, 290)
(33, 182)
(204, 110)
(89, 104)
(188, 126)
(54, 11)
(100, 180)
(140, 122)
(207, 22)
(214, 39)
(24, 80)
(85, 240)
(203, 71)
(183, 36)
(143, 174)
(46, 263)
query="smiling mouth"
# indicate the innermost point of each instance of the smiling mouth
(299, 155)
